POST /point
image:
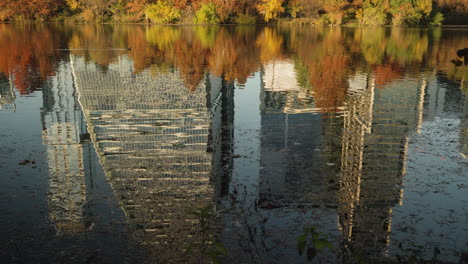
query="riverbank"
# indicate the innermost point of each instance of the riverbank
(395, 13)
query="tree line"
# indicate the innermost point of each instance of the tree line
(368, 12)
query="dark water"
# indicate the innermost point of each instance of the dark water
(134, 144)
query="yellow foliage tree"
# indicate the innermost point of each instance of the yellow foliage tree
(270, 9)
(73, 4)
(163, 11)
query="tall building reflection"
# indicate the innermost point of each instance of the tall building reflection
(63, 130)
(311, 162)
(264, 150)
(159, 144)
(7, 93)
(292, 132)
(375, 142)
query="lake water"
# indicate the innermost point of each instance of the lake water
(237, 144)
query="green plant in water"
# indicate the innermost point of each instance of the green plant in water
(215, 250)
(312, 241)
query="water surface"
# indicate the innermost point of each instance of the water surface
(196, 144)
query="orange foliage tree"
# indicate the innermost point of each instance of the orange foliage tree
(30, 9)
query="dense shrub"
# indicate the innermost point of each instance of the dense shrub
(245, 19)
(206, 14)
(163, 12)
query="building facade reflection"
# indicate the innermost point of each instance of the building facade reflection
(167, 150)
(7, 93)
(63, 130)
(349, 164)
(157, 143)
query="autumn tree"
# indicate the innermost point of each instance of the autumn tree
(455, 11)
(270, 9)
(163, 11)
(30, 9)
(293, 7)
(207, 14)
(373, 12)
(409, 12)
(335, 10)
(98, 8)
(309, 8)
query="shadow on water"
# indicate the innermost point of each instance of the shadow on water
(232, 144)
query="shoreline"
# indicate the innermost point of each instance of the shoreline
(288, 23)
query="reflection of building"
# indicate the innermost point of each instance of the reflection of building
(292, 133)
(7, 94)
(63, 129)
(377, 123)
(283, 168)
(153, 138)
(357, 124)
(312, 167)
(448, 97)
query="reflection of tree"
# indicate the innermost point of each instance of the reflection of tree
(237, 60)
(191, 58)
(386, 73)
(372, 43)
(449, 43)
(29, 55)
(270, 43)
(407, 45)
(143, 52)
(328, 71)
(101, 44)
(325, 56)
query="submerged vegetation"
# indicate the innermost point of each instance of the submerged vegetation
(333, 12)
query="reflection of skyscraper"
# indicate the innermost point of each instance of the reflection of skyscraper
(377, 124)
(63, 128)
(281, 171)
(450, 98)
(292, 157)
(152, 135)
(357, 124)
(7, 94)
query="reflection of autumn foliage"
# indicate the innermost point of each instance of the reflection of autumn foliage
(237, 60)
(327, 56)
(191, 59)
(30, 9)
(143, 51)
(329, 81)
(28, 54)
(450, 42)
(407, 45)
(99, 42)
(386, 73)
(270, 42)
(329, 66)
